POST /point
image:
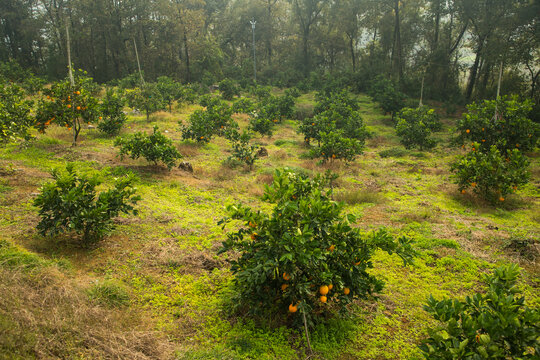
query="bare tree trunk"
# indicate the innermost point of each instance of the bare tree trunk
(474, 69)
(397, 52)
(186, 54)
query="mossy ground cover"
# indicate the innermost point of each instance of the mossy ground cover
(157, 278)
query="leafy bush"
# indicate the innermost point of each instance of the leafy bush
(147, 98)
(15, 118)
(262, 92)
(112, 115)
(70, 203)
(243, 105)
(385, 93)
(335, 145)
(228, 89)
(204, 124)
(303, 255)
(68, 106)
(414, 127)
(503, 123)
(242, 150)
(14, 73)
(261, 124)
(155, 147)
(494, 325)
(169, 90)
(491, 175)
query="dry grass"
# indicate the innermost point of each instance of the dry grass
(46, 316)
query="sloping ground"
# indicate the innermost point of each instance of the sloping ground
(156, 288)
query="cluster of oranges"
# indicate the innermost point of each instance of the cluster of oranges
(323, 291)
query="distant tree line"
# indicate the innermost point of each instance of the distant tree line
(455, 48)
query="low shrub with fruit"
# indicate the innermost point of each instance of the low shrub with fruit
(206, 123)
(334, 145)
(504, 123)
(68, 106)
(15, 118)
(414, 127)
(303, 255)
(492, 175)
(111, 114)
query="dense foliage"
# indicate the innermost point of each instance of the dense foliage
(112, 116)
(155, 147)
(491, 174)
(67, 105)
(70, 203)
(215, 119)
(496, 324)
(414, 127)
(303, 255)
(504, 123)
(242, 149)
(15, 118)
(147, 98)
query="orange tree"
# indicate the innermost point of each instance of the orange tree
(67, 105)
(491, 174)
(15, 116)
(304, 255)
(504, 123)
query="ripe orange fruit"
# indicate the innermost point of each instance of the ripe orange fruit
(357, 263)
(78, 108)
(517, 145)
(323, 290)
(473, 184)
(293, 308)
(501, 199)
(332, 248)
(252, 224)
(323, 299)
(346, 291)
(312, 124)
(330, 287)
(515, 187)
(467, 131)
(284, 287)
(100, 118)
(463, 191)
(69, 106)
(202, 137)
(286, 277)
(333, 156)
(253, 236)
(483, 140)
(483, 129)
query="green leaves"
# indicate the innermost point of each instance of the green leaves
(112, 116)
(491, 174)
(70, 203)
(494, 325)
(15, 118)
(214, 120)
(414, 127)
(154, 147)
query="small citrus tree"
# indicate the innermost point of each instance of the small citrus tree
(170, 90)
(242, 150)
(216, 119)
(71, 203)
(154, 147)
(491, 174)
(496, 324)
(112, 116)
(414, 127)
(305, 254)
(15, 119)
(504, 123)
(67, 105)
(147, 98)
(335, 146)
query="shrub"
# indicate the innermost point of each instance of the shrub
(385, 93)
(243, 105)
(503, 123)
(70, 203)
(261, 124)
(112, 115)
(228, 89)
(147, 98)
(155, 147)
(414, 127)
(304, 255)
(169, 90)
(491, 175)
(15, 118)
(204, 124)
(334, 145)
(68, 106)
(242, 150)
(492, 325)
(262, 92)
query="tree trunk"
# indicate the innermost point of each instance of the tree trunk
(353, 56)
(397, 53)
(474, 69)
(186, 54)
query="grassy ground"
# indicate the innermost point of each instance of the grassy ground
(156, 288)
